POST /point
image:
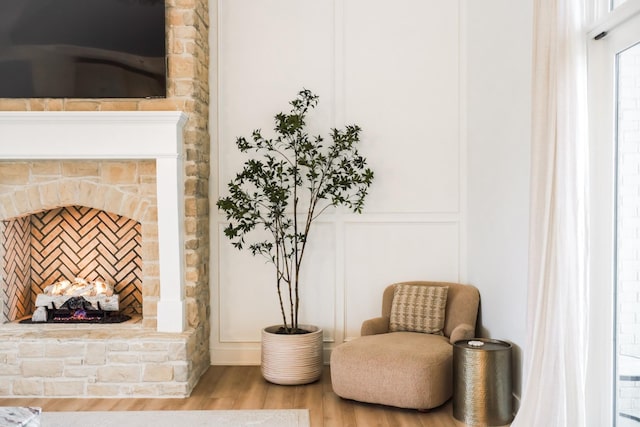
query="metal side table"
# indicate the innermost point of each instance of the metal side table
(482, 382)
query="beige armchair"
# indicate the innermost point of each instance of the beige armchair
(405, 369)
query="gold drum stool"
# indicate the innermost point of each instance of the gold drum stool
(482, 382)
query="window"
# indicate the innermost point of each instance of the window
(614, 75)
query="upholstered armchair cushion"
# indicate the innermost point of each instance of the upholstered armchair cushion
(402, 369)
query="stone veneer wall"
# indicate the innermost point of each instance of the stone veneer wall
(187, 91)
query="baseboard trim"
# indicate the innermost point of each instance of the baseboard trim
(233, 356)
(246, 356)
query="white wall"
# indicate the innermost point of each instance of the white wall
(441, 90)
(393, 70)
(498, 71)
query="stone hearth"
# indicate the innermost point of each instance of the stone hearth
(95, 361)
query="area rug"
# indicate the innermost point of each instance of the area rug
(259, 418)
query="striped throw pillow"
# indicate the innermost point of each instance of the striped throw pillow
(418, 308)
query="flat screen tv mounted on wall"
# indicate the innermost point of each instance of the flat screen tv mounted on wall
(82, 49)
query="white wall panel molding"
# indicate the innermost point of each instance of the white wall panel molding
(248, 299)
(392, 68)
(405, 217)
(402, 87)
(379, 254)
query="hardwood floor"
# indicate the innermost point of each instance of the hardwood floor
(242, 387)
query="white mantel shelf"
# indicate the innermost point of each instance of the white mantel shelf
(28, 135)
(103, 135)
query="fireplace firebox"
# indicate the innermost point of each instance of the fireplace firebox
(51, 256)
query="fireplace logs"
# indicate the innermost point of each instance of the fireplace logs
(99, 293)
(79, 286)
(80, 301)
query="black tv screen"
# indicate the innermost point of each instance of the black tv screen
(82, 49)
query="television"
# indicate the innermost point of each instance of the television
(82, 49)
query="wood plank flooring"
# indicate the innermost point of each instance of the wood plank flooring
(242, 387)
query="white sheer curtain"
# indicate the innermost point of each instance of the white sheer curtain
(556, 347)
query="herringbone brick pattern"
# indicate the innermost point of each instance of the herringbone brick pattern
(76, 241)
(16, 265)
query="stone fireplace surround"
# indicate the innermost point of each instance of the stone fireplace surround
(148, 358)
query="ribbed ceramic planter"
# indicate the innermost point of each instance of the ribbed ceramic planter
(292, 359)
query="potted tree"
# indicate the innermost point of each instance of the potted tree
(287, 182)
